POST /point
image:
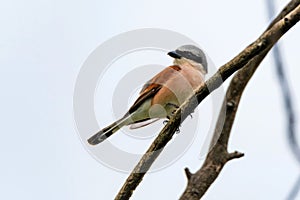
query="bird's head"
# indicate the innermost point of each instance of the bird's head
(191, 54)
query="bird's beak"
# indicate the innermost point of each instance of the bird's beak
(173, 54)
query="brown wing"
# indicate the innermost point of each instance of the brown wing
(150, 92)
(154, 85)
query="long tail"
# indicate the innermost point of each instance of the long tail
(107, 131)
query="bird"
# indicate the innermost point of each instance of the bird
(163, 94)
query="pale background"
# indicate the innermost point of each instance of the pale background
(42, 47)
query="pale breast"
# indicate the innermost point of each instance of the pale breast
(178, 88)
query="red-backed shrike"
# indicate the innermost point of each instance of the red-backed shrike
(164, 93)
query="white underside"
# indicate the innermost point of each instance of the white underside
(142, 124)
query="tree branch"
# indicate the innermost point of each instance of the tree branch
(264, 42)
(199, 182)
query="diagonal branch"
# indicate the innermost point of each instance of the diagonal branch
(199, 182)
(264, 42)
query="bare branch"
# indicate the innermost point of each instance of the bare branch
(188, 173)
(264, 42)
(234, 155)
(202, 179)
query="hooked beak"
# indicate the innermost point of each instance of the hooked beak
(173, 54)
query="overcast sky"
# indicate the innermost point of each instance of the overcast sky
(43, 45)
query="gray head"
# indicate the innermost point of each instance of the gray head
(190, 52)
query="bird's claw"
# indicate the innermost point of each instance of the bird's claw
(165, 121)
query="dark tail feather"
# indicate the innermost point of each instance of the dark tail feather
(106, 132)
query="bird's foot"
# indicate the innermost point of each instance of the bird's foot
(191, 114)
(166, 121)
(177, 130)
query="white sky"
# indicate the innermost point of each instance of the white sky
(42, 47)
